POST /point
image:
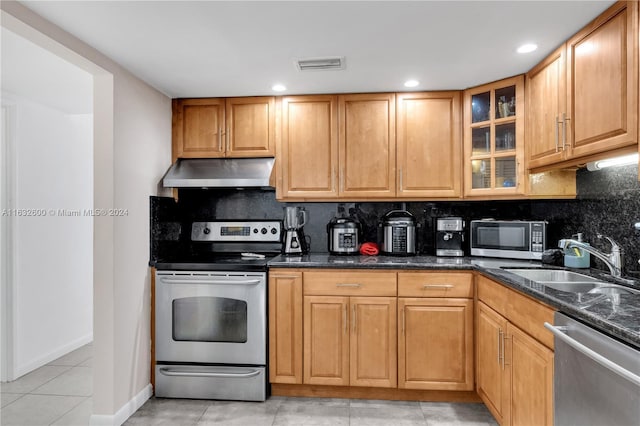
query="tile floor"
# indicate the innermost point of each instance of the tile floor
(58, 393)
(308, 411)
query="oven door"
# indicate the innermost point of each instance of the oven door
(211, 317)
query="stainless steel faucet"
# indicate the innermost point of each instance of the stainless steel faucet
(613, 260)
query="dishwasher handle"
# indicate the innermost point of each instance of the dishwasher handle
(621, 371)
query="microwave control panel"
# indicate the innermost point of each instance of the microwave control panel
(537, 237)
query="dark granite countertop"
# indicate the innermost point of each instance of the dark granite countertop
(619, 317)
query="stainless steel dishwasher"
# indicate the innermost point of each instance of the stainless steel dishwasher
(596, 378)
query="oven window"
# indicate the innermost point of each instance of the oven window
(209, 319)
(504, 237)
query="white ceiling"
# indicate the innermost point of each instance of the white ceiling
(34, 73)
(215, 48)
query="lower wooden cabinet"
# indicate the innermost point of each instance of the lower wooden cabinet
(412, 331)
(285, 326)
(350, 341)
(514, 370)
(435, 349)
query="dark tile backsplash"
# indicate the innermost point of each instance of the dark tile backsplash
(608, 202)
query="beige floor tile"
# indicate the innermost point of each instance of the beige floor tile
(33, 380)
(77, 381)
(8, 398)
(79, 416)
(36, 410)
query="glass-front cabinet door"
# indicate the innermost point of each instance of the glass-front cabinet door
(494, 138)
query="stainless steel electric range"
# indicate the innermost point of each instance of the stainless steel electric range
(211, 312)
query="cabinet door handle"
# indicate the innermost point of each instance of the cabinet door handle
(504, 351)
(344, 320)
(353, 285)
(355, 318)
(228, 140)
(220, 140)
(401, 185)
(438, 286)
(557, 132)
(564, 131)
(499, 346)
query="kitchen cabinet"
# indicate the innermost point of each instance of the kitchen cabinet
(514, 356)
(435, 337)
(308, 151)
(584, 96)
(218, 127)
(494, 138)
(350, 336)
(348, 146)
(429, 145)
(367, 145)
(285, 326)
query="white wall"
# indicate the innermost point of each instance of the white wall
(132, 150)
(53, 257)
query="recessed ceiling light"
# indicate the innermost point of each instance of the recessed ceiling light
(411, 83)
(278, 87)
(527, 48)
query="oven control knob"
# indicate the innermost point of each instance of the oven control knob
(255, 230)
(206, 231)
(274, 231)
(263, 230)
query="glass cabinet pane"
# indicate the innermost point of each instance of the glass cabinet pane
(505, 137)
(506, 172)
(480, 107)
(481, 141)
(481, 173)
(505, 102)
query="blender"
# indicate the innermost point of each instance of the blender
(294, 241)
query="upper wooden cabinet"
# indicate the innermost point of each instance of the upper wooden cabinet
(367, 145)
(583, 99)
(429, 145)
(217, 127)
(308, 150)
(349, 147)
(494, 138)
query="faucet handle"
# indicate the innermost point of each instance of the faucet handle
(614, 245)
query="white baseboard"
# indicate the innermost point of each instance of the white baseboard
(34, 364)
(125, 411)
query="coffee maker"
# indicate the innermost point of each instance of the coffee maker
(449, 239)
(294, 242)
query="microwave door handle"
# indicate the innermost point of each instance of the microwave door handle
(204, 373)
(217, 282)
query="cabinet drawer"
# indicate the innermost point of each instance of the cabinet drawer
(435, 284)
(530, 316)
(493, 294)
(350, 283)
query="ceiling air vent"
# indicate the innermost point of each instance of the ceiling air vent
(321, 64)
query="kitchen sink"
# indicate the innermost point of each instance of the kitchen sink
(572, 282)
(591, 288)
(552, 275)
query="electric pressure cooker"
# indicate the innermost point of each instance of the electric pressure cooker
(344, 236)
(398, 233)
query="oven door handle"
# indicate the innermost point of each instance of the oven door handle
(619, 370)
(174, 372)
(216, 282)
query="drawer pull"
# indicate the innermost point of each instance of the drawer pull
(354, 285)
(437, 286)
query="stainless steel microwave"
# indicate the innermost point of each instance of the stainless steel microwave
(511, 239)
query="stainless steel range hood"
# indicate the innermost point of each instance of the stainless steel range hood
(219, 172)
